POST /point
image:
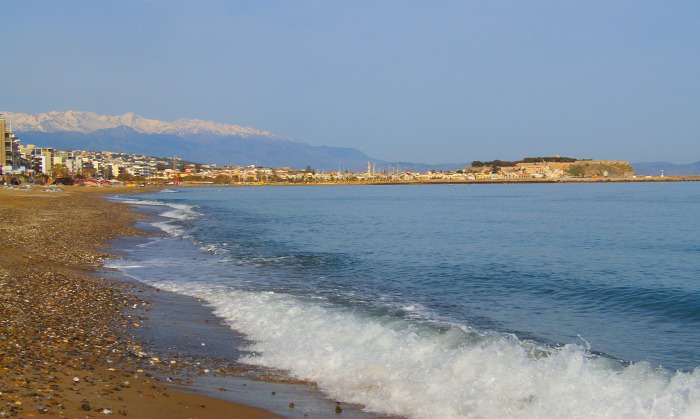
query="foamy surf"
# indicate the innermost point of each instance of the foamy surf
(393, 366)
(170, 211)
(397, 314)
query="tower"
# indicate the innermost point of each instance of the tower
(3, 142)
(9, 150)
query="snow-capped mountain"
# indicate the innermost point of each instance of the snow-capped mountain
(190, 139)
(88, 122)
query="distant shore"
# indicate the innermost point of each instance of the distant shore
(136, 186)
(640, 179)
(66, 341)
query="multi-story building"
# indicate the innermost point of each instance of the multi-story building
(74, 164)
(9, 148)
(115, 170)
(72, 161)
(5, 142)
(139, 171)
(42, 159)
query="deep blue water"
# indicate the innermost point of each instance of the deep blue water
(488, 300)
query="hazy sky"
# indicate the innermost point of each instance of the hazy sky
(428, 81)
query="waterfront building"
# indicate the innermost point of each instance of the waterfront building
(139, 171)
(25, 151)
(42, 159)
(9, 148)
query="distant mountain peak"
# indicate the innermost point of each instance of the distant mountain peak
(88, 122)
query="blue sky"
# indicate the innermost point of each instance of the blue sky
(419, 81)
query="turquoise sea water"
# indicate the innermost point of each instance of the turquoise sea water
(451, 301)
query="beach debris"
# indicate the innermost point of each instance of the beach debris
(291, 405)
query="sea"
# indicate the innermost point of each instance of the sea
(448, 301)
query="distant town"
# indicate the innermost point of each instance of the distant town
(32, 164)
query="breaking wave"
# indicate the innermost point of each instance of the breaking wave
(413, 369)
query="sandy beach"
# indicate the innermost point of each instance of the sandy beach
(66, 341)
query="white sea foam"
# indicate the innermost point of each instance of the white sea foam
(180, 212)
(169, 228)
(397, 367)
(177, 210)
(171, 211)
(116, 264)
(214, 249)
(416, 310)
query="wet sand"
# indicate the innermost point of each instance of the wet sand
(67, 345)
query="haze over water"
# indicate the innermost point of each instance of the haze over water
(452, 301)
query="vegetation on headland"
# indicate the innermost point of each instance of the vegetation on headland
(502, 163)
(554, 167)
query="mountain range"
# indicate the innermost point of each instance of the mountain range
(190, 139)
(88, 122)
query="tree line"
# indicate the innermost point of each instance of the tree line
(504, 163)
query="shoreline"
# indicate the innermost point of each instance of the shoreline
(645, 179)
(66, 341)
(192, 343)
(57, 242)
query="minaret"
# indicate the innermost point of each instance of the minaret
(369, 170)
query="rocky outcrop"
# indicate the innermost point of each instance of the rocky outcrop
(600, 168)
